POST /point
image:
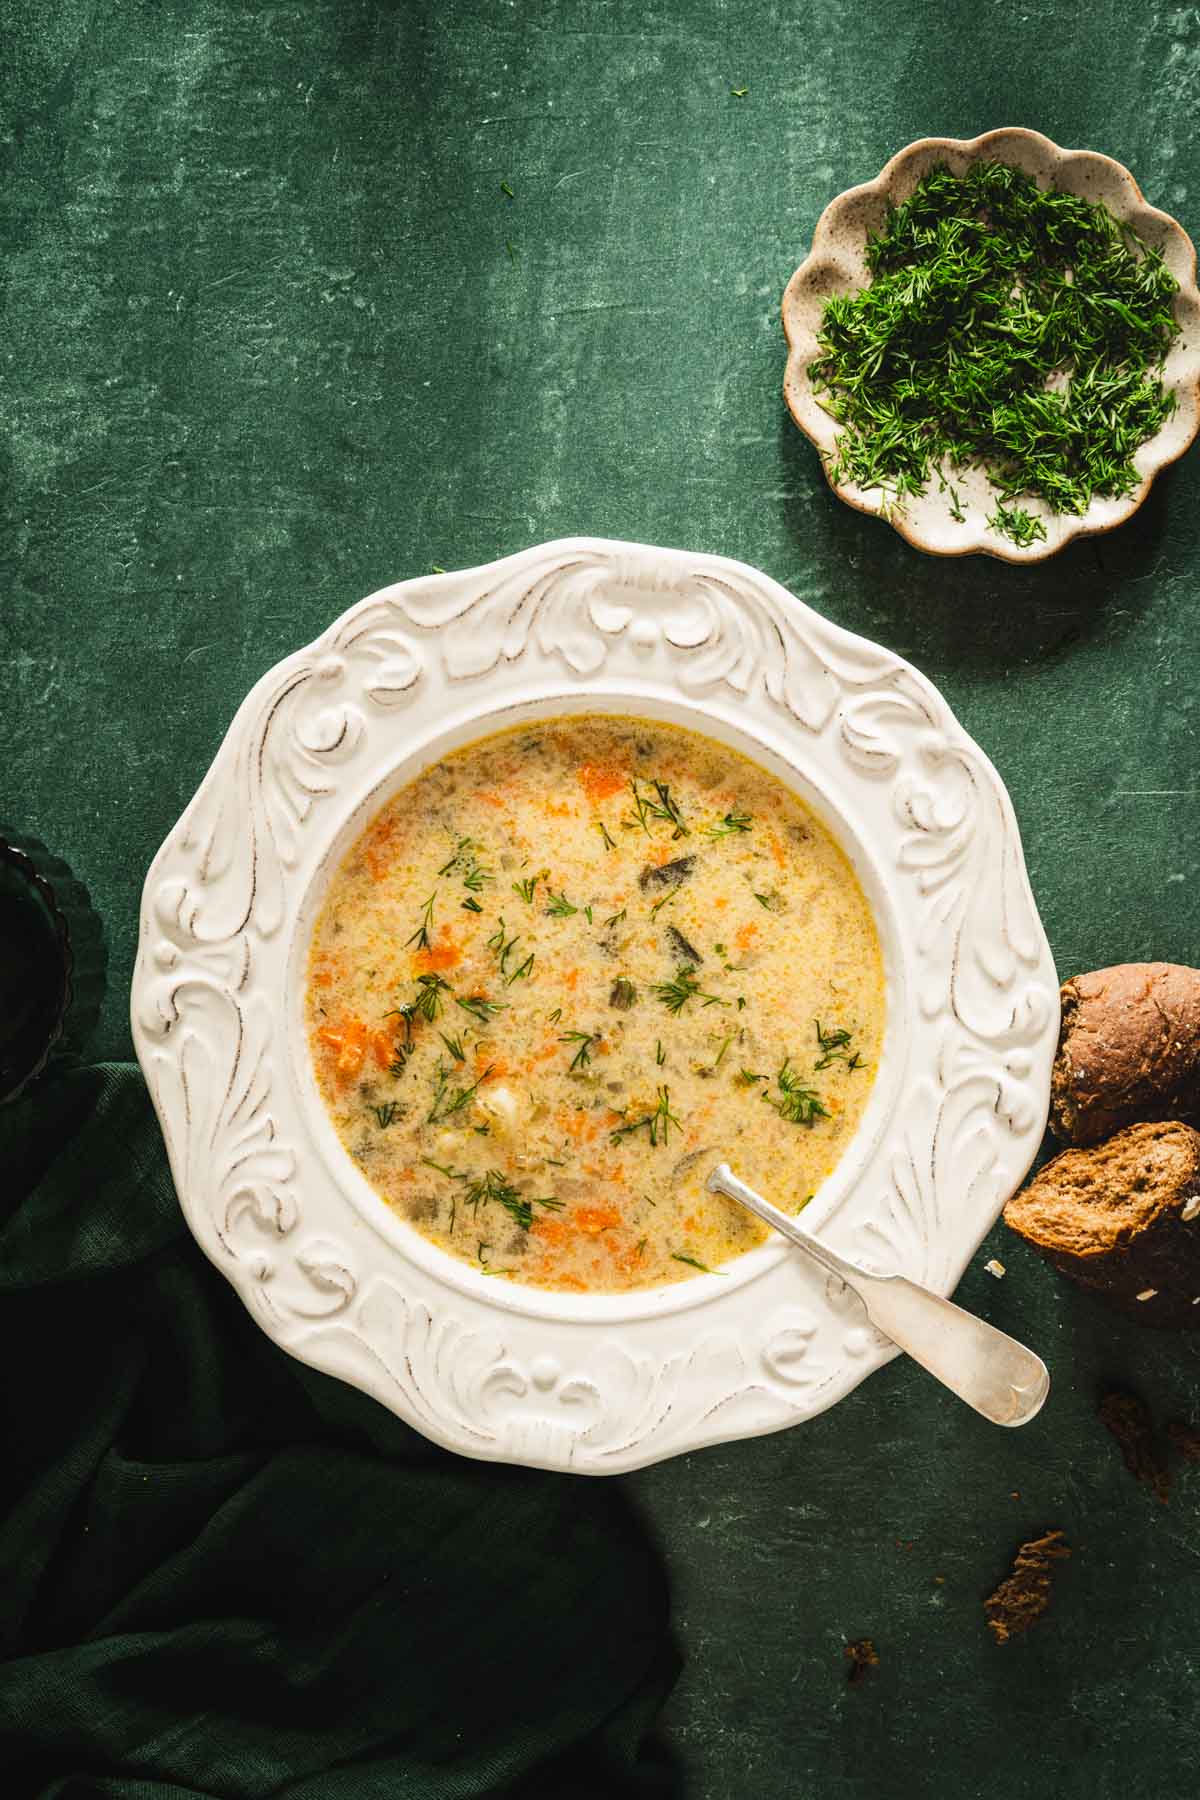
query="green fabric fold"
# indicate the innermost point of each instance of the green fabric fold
(227, 1574)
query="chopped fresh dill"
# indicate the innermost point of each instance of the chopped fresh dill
(428, 1002)
(665, 900)
(503, 946)
(610, 843)
(835, 1047)
(1005, 326)
(1015, 523)
(450, 1174)
(747, 1078)
(494, 1187)
(677, 1256)
(639, 1246)
(660, 1055)
(420, 936)
(455, 1046)
(479, 1008)
(731, 822)
(587, 913)
(525, 888)
(615, 919)
(721, 1052)
(797, 1104)
(388, 1113)
(445, 1106)
(585, 1040)
(436, 569)
(676, 993)
(769, 902)
(560, 907)
(506, 190)
(659, 806)
(471, 905)
(555, 1016)
(660, 1120)
(522, 973)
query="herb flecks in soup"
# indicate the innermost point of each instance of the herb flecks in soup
(570, 968)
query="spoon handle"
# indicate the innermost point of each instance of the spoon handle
(988, 1369)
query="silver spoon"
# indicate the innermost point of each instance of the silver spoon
(989, 1370)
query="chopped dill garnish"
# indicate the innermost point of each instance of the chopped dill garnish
(769, 902)
(506, 190)
(731, 822)
(676, 1256)
(503, 946)
(1005, 326)
(615, 919)
(479, 1008)
(495, 1187)
(610, 843)
(450, 1174)
(676, 993)
(525, 888)
(666, 899)
(738, 94)
(521, 974)
(587, 913)
(797, 1104)
(660, 1120)
(455, 1046)
(429, 1001)
(835, 1047)
(420, 936)
(560, 907)
(660, 806)
(1015, 523)
(639, 1246)
(721, 1052)
(585, 1040)
(454, 1102)
(747, 1078)
(660, 1055)
(388, 1113)
(471, 905)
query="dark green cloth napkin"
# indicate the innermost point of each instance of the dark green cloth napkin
(222, 1573)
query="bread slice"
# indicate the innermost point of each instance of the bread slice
(1123, 1219)
(1128, 1050)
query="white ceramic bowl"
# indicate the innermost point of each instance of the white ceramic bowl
(836, 264)
(595, 1383)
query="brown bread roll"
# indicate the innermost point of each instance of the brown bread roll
(1128, 1051)
(1123, 1219)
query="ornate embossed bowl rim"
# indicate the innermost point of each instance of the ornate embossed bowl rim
(836, 264)
(594, 1384)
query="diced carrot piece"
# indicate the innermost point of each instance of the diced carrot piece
(376, 864)
(600, 783)
(491, 799)
(595, 1219)
(350, 1042)
(443, 953)
(745, 935)
(327, 1035)
(383, 1049)
(571, 978)
(574, 1283)
(322, 978)
(777, 850)
(551, 1231)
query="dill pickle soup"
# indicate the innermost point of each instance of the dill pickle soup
(569, 967)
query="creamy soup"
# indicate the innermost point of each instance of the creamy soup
(569, 969)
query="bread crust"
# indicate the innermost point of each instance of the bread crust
(1122, 1219)
(1129, 1050)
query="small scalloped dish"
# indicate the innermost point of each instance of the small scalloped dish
(837, 264)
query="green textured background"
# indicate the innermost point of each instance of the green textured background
(265, 347)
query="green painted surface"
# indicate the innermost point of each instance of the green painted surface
(273, 335)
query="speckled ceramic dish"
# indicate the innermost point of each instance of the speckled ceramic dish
(836, 264)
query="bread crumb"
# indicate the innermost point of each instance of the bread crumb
(996, 1268)
(1023, 1596)
(1147, 1294)
(1186, 1439)
(863, 1656)
(1191, 1210)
